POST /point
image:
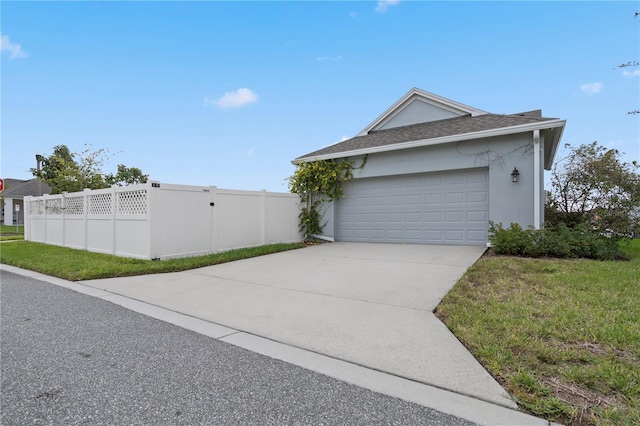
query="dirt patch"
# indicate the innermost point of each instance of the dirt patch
(597, 349)
(585, 400)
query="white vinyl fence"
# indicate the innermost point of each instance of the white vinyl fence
(161, 221)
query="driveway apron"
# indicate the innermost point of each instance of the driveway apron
(369, 304)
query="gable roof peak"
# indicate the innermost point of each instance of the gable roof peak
(426, 97)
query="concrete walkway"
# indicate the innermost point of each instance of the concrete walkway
(368, 304)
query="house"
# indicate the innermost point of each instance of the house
(438, 171)
(13, 196)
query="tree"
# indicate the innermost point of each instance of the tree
(60, 170)
(126, 176)
(65, 171)
(592, 185)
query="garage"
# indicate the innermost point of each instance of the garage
(426, 208)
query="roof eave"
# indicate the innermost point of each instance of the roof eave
(441, 140)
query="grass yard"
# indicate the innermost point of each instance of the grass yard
(562, 336)
(77, 265)
(11, 232)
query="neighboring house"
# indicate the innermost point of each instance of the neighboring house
(13, 195)
(438, 171)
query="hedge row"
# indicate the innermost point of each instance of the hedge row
(560, 241)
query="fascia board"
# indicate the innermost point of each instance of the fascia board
(436, 141)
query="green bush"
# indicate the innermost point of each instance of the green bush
(559, 241)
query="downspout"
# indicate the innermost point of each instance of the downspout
(536, 179)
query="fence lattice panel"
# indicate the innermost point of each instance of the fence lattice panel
(54, 206)
(132, 202)
(100, 204)
(74, 206)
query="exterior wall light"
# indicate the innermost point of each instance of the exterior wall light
(515, 175)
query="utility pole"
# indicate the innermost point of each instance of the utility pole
(39, 159)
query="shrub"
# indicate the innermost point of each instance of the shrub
(559, 241)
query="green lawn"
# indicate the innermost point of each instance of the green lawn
(76, 265)
(562, 336)
(11, 232)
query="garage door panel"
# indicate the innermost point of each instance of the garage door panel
(433, 199)
(454, 179)
(453, 235)
(477, 236)
(477, 196)
(394, 200)
(454, 217)
(432, 217)
(477, 177)
(413, 235)
(415, 199)
(478, 217)
(413, 183)
(432, 180)
(454, 197)
(433, 234)
(413, 217)
(378, 217)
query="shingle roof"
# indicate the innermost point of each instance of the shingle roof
(17, 188)
(431, 130)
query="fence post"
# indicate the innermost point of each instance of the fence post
(27, 218)
(44, 218)
(214, 219)
(63, 203)
(264, 216)
(154, 233)
(114, 207)
(86, 218)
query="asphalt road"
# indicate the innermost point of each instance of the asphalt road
(71, 359)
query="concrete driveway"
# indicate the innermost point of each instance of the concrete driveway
(369, 304)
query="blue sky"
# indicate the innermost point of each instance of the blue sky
(228, 93)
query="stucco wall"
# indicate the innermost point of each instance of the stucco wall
(508, 202)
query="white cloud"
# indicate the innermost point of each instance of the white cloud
(353, 14)
(14, 49)
(248, 153)
(383, 5)
(344, 138)
(329, 58)
(591, 88)
(240, 97)
(634, 73)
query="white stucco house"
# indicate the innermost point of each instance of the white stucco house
(438, 171)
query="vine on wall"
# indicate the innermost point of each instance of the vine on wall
(319, 182)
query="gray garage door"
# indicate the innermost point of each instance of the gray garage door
(430, 208)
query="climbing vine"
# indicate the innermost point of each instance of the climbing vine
(319, 182)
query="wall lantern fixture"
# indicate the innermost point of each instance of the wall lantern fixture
(515, 175)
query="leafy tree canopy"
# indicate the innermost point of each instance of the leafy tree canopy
(65, 171)
(126, 176)
(593, 185)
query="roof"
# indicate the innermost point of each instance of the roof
(17, 188)
(470, 124)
